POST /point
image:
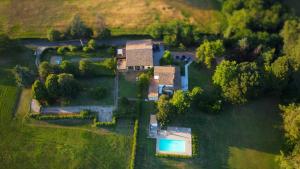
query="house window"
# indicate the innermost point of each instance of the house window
(137, 68)
(130, 67)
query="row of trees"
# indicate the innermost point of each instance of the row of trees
(56, 86)
(175, 33)
(181, 102)
(78, 29)
(85, 68)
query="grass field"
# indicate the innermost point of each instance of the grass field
(31, 18)
(240, 137)
(127, 87)
(31, 144)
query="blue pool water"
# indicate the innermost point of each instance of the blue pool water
(172, 145)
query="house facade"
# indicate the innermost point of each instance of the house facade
(166, 80)
(137, 55)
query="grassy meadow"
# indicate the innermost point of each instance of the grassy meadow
(31, 18)
(31, 144)
(247, 136)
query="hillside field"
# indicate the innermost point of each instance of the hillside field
(32, 18)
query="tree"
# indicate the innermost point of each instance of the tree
(69, 67)
(52, 86)
(281, 72)
(39, 91)
(45, 69)
(86, 67)
(238, 81)
(156, 30)
(165, 110)
(78, 29)
(53, 35)
(167, 58)
(143, 84)
(291, 38)
(291, 121)
(100, 30)
(180, 101)
(24, 77)
(92, 44)
(68, 85)
(195, 95)
(208, 51)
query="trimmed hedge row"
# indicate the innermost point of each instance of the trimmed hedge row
(84, 114)
(134, 145)
(195, 145)
(172, 156)
(104, 124)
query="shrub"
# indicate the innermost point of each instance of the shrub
(92, 44)
(86, 115)
(39, 91)
(53, 35)
(98, 93)
(87, 49)
(24, 77)
(61, 50)
(72, 48)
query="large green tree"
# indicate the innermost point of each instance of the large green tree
(39, 91)
(68, 85)
(52, 86)
(78, 29)
(24, 76)
(238, 81)
(180, 101)
(281, 72)
(45, 69)
(208, 51)
(165, 110)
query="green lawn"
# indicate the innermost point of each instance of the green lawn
(241, 137)
(104, 82)
(127, 88)
(199, 76)
(28, 144)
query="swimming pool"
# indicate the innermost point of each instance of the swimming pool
(176, 146)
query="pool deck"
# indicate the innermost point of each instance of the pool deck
(176, 133)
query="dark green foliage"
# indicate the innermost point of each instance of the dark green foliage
(52, 86)
(208, 51)
(281, 72)
(143, 84)
(45, 69)
(98, 93)
(180, 101)
(86, 68)
(53, 35)
(238, 81)
(92, 44)
(69, 67)
(78, 29)
(291, 37)
(291, 125)
(24, 76)
(68, 86)
(6, 44)
(167, 59)
(72, 48)
(103, 33)
(39, 91)
(174, 33)
(84, 114)
(165, 110)
(61, 50)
